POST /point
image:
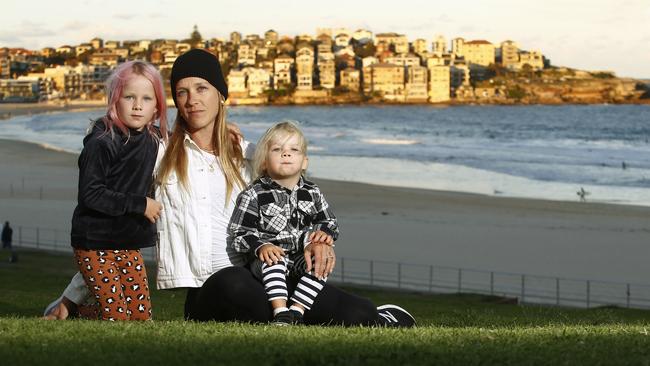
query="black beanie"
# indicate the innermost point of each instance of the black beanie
(201, 64)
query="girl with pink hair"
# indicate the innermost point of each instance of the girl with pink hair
(115, 216)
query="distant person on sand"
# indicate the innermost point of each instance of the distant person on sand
(7, 233)
(114, 216)
(277, 216)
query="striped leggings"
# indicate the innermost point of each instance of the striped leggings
(274, 278)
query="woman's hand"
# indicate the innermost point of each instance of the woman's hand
(320, 237)
(270, 254)
(152, 211)
(323, 257)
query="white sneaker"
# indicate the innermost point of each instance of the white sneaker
(52, 305)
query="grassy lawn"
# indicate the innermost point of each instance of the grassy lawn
(454, 330)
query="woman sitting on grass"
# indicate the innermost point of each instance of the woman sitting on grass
(199, 177)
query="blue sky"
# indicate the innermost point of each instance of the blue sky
(593, 35)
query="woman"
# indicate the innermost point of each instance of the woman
(199, 177)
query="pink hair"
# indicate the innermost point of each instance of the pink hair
(115, 85)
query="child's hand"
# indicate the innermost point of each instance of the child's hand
(152, 212)
(235, 133)
(270, 254)
(320, 237)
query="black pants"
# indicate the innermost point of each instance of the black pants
(234, 294)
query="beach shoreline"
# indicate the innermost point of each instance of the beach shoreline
(409, 225)
(10, 110)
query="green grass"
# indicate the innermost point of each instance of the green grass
(453, 329)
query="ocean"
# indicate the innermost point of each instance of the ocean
(545, 152)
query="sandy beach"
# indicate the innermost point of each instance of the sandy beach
(566, 239)
(8, 110)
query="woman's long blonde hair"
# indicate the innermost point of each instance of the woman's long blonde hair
(230, 155)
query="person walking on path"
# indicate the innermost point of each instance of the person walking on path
(7, 234)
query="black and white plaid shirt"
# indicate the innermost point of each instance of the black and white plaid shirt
(266, 212)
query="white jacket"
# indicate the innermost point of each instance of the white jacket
(185, 252)
(190, 249)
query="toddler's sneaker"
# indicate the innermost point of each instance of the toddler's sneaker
(394, 316)
(283, 318)
(296, 317)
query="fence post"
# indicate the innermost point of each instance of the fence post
(627, 295)
(399, 275)
(557, 291)
(431, 278)
(492, 283)
(372, 272)
(523, 288)
(588, 293)
(342, 270)
(38, 236)
(460, 279)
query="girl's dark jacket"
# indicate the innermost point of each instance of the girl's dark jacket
(115, 177)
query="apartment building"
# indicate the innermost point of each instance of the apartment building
(439, 83)
(304, 67)
(258, 81)
(104, 56)
(351, 79)
(65, 50)
(479, 53)
(20, 90)
(237, 83)
(93, 78)
(385, 79)
(416, 84)
(97, 43)
(420, 46)
(404, 59)
(509, 54)
(271, 38)
(111, 44)
(246, 55)
(439, 45)
(457, 46)
(235, 38)
(362, 36)
(327, 73)
(460, 75)
(398, 42)
(342, 40)
(5, 65)
(533, 58)
(82, 48)
(282, 66)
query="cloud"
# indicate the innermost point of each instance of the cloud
(125, 16)
(74, 25)
(25, 34)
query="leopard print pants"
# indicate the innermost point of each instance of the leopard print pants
(118, 279)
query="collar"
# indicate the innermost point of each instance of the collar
(266, 180)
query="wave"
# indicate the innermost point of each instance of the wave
(390, 142)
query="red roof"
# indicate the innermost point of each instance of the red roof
(478, 41)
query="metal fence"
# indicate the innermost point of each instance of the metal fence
(432, 278)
